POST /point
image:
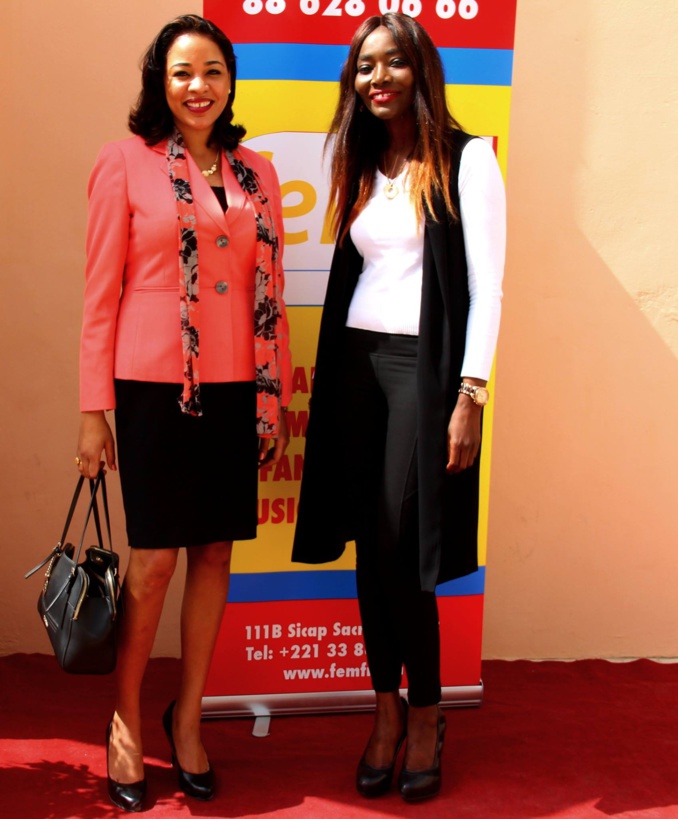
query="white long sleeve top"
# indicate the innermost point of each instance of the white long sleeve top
(386, 233)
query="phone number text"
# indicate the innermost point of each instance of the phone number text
(445, 9)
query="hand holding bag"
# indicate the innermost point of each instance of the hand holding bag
(79, 602)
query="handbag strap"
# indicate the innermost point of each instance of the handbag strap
(69, 516)
(93, 507)
(95, 510)
(62, 539)
(94, 485)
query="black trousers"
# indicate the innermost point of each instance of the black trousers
(400, 621)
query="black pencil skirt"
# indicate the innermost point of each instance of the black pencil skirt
(186, 480)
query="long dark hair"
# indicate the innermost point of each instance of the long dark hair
(151, 117)
(358, 138)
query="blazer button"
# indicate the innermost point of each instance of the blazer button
(222, 241)
(221, 287)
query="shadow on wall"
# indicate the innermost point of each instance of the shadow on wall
(583, 513)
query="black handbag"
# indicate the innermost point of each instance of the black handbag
(80, 602)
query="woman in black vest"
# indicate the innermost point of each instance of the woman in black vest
(406, 345)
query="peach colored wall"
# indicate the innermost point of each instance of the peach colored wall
(583, 520)
(582, 557)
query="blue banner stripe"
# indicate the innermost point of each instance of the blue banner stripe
(464, 586)
(322, 63)
(325, 585)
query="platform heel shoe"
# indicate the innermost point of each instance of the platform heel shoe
(417, 785)
(371, 782)
(198, 786)
(129, 797)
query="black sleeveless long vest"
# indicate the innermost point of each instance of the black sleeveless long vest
(448, 504)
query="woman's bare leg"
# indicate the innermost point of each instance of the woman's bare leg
(146, 580)
(422, 737)
(205, 595)
(389, 722)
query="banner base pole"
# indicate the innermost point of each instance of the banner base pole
(455, 696)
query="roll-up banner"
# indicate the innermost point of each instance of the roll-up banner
(291, 638)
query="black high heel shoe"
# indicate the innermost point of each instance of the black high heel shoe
(370, 781)
(200, 785)
(129, 797)
(417, 785)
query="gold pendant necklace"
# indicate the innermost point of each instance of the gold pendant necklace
(213, 169)
(391, 189)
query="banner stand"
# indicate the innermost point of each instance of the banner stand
(291, 639)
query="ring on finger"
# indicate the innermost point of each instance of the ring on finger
(77, 461)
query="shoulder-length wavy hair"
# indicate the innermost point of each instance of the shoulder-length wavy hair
(358, 138)
(151, 117)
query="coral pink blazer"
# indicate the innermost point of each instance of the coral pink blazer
(131, 326)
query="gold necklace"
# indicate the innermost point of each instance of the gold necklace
(213, 169)
(391, 190)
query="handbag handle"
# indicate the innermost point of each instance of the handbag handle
(93, 507)
(95, 510)
(94, 486)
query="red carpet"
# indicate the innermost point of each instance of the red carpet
(578, 739)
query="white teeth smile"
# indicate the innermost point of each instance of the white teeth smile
(201, 104)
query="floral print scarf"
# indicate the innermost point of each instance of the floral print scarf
(268, 280)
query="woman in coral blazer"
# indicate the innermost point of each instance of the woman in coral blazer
(185, 336)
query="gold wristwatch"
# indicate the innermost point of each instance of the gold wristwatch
(479, 395)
